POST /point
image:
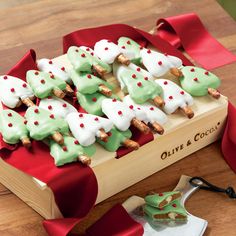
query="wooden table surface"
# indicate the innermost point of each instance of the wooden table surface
(40, 24)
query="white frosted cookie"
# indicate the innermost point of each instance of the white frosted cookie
(13, 90)
(157, 63)
(86, 127)
(152, 113)
(173, 96)
(57, 106)
(49, 66)
(106, 50)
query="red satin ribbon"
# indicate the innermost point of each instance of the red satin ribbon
(188, 31)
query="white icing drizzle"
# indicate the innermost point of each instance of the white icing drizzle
(152, 113)
(47, 65)
(106, 50)
(12, 89)
(157, 63)
(58, 107)
(118, 112)
(86, 127)
(173, 96)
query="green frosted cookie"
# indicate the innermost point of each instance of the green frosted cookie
(42, 124)
(130, 49)
(71, 151)
(12, 127)
(44, 84)
(87, 83)
(115, 140)
(172, 212)
(82, 61)
(140, 88)
(160, 200)
(198, 81)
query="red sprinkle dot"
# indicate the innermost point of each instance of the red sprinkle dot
(182, 92)
(131, 107)
(89, 76)
(119, 113)
(96, 119)
(36, 122)
(160, 194)
(139, 108)
(87, 49)
(49, 97)
(114, 100)
(159, 63)
(52, 116)
(106, 48)
(10, 125)
(152, 108)
(36, 110)
(76, 50)
(64, 149)
(63, 68)
(9, 114)
(76, 142)
(138, 69)
(12, 90)
(206, 73)
(109, 134)
(82, 55)
(42, 81)
(148, 51)
(109, 41)
(92, 53)
(5, 77)
(50, 107)
(141, 47)
(36, 72)
(81, 125)
(170, 97)
(25, 122)
(139, 84)
(195, 79)
(146, 78)
(123, 47)
(24, 85)
(64, 105)
(128, 42)
(166, 54)
(52, 76)
(165, 82)
(192, 70)
(50, 62)
(174, 205)
(134, 76)
(81, 115)
(94, 99)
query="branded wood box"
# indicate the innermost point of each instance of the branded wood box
(182, 137)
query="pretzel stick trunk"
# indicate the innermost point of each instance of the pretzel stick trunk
(214, 93)
(84, 159)
(176, 72)
(69, 91)
(123, 59)
(58, 93)
(103, 135)
(158, 101)
(140, 125)
(28, 102)
(26, 142)
(157, 127)
(187, 111)
(58, 138)
(100, 70)
(131, 144)
(105, 90)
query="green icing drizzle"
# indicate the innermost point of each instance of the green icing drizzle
(12, 126)
(196, 80)
(115, 140)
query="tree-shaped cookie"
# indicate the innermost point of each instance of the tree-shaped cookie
(83, 61)
(13, 128)
(42, 124)
(71, 151)
(130, 49)
(108, 52)
(175, 98)
(89, 83)
(140, 88)
(14, 92)
(44, 84)
(56, 70)
(57, 106)
(117, 139)
(154, 117)
(86, 127)
(122, 115)
(199, 82)
(159, 64)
